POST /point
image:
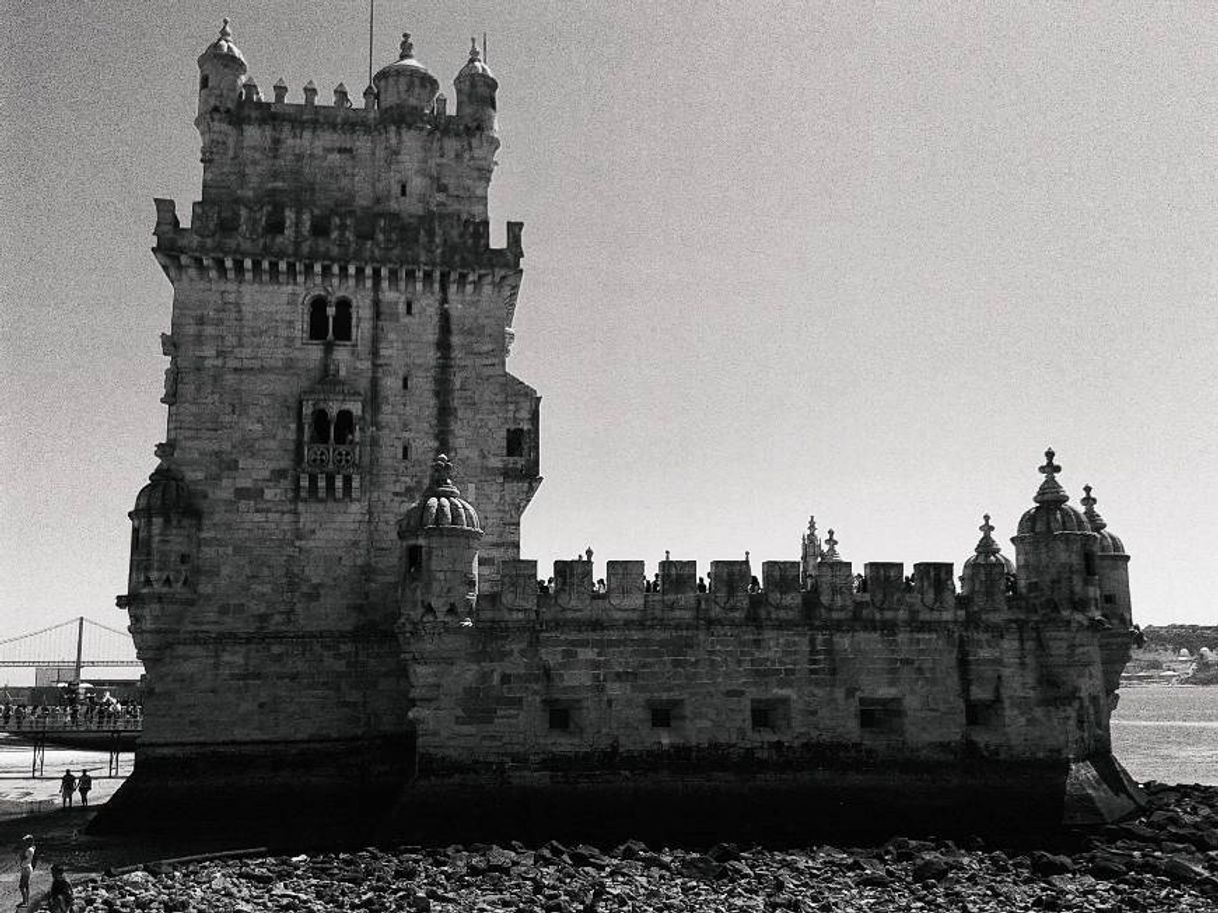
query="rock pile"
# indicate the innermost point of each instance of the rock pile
(1166, 860)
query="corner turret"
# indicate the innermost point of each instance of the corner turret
(405, 88)
(164, 531)
(1055, 548)
(476, 87)
(440, 534)
(222, 72)
(985, 573)
(1111, 567)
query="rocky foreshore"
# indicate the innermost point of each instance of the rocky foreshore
(1165, 860)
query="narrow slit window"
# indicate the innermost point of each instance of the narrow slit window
(515, 442)
(402, 189)
(409, 307)
(405, 451)
(405, 381)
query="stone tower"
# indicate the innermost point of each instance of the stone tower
(339, 317)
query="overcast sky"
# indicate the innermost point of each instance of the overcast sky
(860, 261)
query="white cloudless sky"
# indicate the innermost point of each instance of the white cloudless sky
(862, 261)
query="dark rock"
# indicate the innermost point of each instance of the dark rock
(1107, 867)
(873, 879)
(699, 866)
(631, 849)
(724, 852)
(1180, 868)
(1045, 864)
(931, 867)
(420, 903)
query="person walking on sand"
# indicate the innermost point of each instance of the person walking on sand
(25, 865)
(67, 786)
(61, 891)
(83, 785)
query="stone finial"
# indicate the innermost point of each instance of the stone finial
(1093, 516)
(746, 556)
(281, 91)
(1050, 491)
(830, 552)
(441, 476)
(986, 545)
(226, 33)
(407, 47)
(588, 554)
(474, 53)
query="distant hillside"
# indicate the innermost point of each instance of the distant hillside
(1175, 637)
(1159, 661)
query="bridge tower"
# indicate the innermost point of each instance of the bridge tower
(339, 317)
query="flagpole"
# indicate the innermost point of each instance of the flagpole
(371, 20)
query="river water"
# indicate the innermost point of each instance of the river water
(1167, 734)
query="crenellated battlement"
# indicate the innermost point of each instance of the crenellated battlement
(297, 234)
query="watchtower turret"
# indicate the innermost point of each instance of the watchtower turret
(222, 71)
(1055, 547)
(476, 87)
(406, 87)
(1111, 566)
(440, 533)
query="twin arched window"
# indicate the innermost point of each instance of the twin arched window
(330, 322)
(340, 431)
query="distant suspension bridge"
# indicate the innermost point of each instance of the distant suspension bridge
(77, 643)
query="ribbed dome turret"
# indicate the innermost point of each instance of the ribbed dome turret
(223, 48)
(988, 551)
(1107, 543)
(1051, 514)
(441, 506)
(406, 85)
(476, 87)
(166, 491)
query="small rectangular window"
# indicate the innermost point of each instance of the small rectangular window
(405, 381)
(560, 718)
(402, 189)
(320, 226)
(1109, 599)
(770, 714)
(312, 486)
(983, 714)
(330, 485)
(882, 715)
(409, 307)
(661, 718)
(405, 451)
(414, 559)
(515, 442)
(441, 187)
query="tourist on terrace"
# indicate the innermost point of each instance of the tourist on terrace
(83, 785)
(67, 786)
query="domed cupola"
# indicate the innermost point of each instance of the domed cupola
(164, 531)
(988, 551)
(441, 507)
(476, 87)
(166, 491)
(440, 533)
(222, 70)
(1051, 514)
(406, 87)
(1106, 543)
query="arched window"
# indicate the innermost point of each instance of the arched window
(342, 320)
(321, 427)
(344, 427)
(319, 320)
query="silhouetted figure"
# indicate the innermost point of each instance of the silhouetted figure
(61, 891)
(67, 786)
(754, 585)
(25, 862)
(83, 785)
(701, 584)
